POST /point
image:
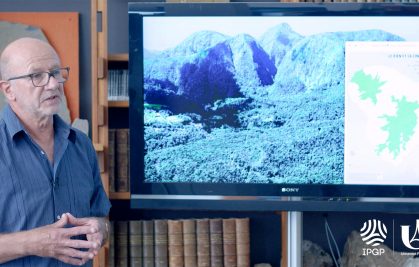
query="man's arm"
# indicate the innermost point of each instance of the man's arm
(52, 241)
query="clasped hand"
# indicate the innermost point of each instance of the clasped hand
(55, 240)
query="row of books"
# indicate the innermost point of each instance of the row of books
(118, 160)
(118, 84)
(354, 1)
(180, 243)
(319, 1)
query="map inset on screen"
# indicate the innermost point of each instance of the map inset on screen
(381, 112)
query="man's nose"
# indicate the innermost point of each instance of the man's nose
(52, 83)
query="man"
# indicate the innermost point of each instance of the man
(52, 202)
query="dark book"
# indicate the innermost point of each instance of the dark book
(243, 242)
(160, 243)
(122, 179)
(189, 243)
(121, 244)
(229, 242)
(135, 243)
(148, 243)
(175, 235)
(111, 254)
(128, 173)
(111, 159)
(202, 243)
(216, 242)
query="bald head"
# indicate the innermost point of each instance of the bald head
(21, 52)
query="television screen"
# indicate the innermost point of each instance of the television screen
(274, 99)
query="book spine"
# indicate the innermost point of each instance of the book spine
(160, 243)
(125, 84)
(135, 243)
(175, 235)
(111, 160)
(128, 172)
(216, 242)
(229, 242)
(111, 258)
(122, 160)
(202, 243)
(118, 84)
(121, 244)
(243, 242)
(148, 243)
(189, 243)
(111, 87)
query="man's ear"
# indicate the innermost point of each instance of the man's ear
(7, 90)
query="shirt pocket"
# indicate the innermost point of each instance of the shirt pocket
(83, 194)
(80, 183)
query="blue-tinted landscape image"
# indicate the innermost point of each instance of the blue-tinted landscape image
(262, 102)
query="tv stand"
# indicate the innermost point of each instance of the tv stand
(294, 238)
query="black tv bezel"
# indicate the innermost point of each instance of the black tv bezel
(253, 196)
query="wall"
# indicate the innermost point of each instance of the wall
(118, 11)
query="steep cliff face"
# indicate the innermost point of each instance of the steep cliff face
(318, 61)
(278, 40)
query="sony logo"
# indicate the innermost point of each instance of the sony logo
(290, 189)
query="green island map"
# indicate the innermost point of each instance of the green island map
(399, 127)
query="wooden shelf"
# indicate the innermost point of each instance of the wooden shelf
(98, 147)
(118, 104)
(120, 195)
(118, 57)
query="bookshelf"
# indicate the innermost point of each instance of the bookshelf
(117, 79)
(118, 57)
(118, 104)
(119, 195)
(117, 126)
(118, 61)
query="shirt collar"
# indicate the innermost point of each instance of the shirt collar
(13, 124)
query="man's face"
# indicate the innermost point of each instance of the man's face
(32, 100)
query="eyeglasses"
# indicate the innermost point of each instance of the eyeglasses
(40, 79)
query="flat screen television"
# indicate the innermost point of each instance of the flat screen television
(261, 102)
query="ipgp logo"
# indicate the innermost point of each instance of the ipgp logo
(373, 233)
(410, 242)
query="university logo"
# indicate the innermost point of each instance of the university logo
(411, 241)
(374, 232)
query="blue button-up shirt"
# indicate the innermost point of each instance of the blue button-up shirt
(34, 192)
